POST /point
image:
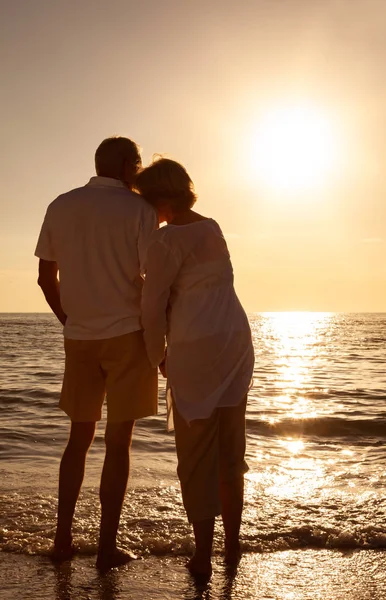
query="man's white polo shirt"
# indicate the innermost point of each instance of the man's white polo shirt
(98, 235)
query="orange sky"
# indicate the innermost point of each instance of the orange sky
(195, 80)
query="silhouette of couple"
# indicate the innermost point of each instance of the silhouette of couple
(133, 298)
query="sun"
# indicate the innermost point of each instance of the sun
(293, 148)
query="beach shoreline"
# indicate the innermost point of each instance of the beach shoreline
(314, 507)
(287, 575)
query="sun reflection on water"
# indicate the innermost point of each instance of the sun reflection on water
(293, 477)
(294, 446)
(287, 469)
(293, 341)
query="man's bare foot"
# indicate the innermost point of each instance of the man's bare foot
(233, 555)
(62, 553)
(114, 558)
(201, 569)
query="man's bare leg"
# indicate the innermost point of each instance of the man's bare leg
(71, 475)
(200, 564)
(232, 498)
(114, 480)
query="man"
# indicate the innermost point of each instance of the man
(95, 238)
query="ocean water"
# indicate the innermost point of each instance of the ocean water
(316, 435)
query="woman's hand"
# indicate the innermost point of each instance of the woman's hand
(162, 368)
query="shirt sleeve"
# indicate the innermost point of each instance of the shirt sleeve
(162, 269)
(148, 225)
(45, 248)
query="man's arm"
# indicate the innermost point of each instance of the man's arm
(48, 281)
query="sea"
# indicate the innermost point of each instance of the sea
(315, 490)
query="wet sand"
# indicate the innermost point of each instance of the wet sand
(289, 575)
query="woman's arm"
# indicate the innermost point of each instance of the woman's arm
(161, 271)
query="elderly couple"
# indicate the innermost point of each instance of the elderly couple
(125, 286)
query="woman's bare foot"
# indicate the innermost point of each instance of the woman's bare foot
(201, 569)
(115, 558)
(61, 553)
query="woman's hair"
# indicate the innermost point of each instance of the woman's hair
(166, 180)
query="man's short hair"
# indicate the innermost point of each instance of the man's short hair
(112, 155)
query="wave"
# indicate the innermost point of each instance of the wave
(153, 522)
(367, 538)
(320, 427)
(17, 395)
(178, 543)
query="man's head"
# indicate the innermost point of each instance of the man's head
(118, 158)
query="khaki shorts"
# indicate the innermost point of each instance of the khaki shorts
(117, 368)
(209, 451)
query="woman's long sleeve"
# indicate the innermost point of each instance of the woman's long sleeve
(161, 270)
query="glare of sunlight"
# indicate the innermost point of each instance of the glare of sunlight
(295, 345)
(270, 420)
(302, 408)
(293, 338)
(302, 321)
(295, 477)
(298, 477)
(293, 445)
(347, 452)
(294, 147)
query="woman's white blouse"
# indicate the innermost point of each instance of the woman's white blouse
(188, 296)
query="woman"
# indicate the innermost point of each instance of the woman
(189, 297)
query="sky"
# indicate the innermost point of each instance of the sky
(277, 108)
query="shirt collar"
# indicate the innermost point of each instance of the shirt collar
(106, 182)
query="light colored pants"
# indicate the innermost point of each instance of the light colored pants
(209, 451)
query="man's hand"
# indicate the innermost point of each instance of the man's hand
(48, 281)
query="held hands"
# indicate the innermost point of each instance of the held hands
(162, 368)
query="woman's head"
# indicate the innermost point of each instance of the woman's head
(167, 186)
